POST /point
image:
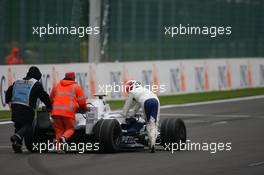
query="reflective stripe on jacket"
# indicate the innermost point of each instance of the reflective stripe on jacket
(66, 98)
(21, 91)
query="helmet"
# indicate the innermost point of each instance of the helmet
(130, 84)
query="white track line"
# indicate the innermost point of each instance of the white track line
(213, 102)
(206, 115)
(5, 122)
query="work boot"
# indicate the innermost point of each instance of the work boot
(62, 139)
(62, 142)
(16, 144)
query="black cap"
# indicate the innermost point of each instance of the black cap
(34, 72)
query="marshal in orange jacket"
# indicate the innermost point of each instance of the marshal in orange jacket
(66, 98)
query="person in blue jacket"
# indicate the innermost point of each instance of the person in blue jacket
(22, 98)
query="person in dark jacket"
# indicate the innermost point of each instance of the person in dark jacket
(22, 98)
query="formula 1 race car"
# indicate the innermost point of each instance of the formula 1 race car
(108, 128)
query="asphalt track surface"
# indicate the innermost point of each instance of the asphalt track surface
(241, 123)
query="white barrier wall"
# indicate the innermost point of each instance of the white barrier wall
(173, 77)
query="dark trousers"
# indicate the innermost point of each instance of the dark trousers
(22, 130)
(151, 107)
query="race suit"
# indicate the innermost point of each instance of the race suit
(150, 105)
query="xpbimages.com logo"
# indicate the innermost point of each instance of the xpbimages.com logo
(120, 87)
(212, 31)
(212, 147)
(74, 147)
(80, 31)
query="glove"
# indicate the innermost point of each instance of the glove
(45, 109)
(48, 109)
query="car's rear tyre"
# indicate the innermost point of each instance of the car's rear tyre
(31, 137)
(108, 134)
(163, 131)
(34, 138)
(173, 131)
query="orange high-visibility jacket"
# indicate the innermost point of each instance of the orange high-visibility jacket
(66, 98)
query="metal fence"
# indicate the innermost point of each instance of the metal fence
(137, 29)
(132, 29)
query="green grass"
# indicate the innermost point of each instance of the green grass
(184, 98)
(199, 97)
(4, 115)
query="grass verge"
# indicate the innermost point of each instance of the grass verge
(4, 115)
(184, 98)
(199, 97)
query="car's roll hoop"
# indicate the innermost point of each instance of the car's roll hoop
(100, 95)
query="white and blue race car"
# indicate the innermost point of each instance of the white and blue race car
(110, 129)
